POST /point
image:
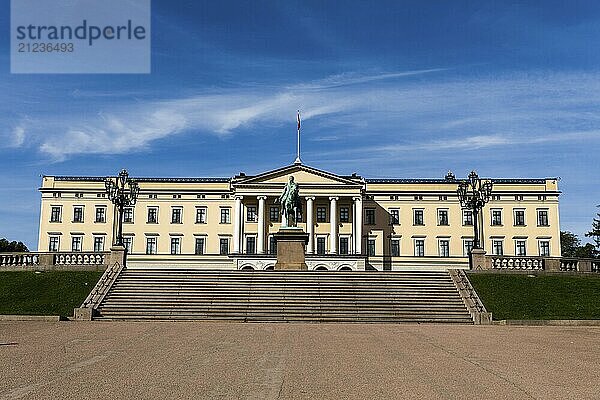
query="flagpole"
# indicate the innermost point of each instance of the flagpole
(298, 160)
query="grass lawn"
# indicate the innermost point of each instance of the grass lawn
(512, 296)
(45, 293)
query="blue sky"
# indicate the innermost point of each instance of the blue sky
(386, 89)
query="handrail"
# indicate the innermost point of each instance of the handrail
(108, 278)
(474, 305)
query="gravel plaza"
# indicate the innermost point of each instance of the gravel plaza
(210, 360)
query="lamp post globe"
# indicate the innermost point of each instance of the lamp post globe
(123, 192)
(473, 194)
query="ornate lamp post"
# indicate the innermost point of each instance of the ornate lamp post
(123, 192)
(473, 193)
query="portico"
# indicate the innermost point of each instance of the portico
(331, 207)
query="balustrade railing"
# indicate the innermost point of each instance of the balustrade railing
(516, 262)
(569, 264)
(50, 260)
(79, 258)
(19, 259)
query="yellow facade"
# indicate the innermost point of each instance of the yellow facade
(248, 200)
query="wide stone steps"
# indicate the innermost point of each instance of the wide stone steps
(263, 296)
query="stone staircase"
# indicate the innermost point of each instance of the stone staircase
(273, 296)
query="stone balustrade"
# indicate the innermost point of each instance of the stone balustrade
(19, 259)
(80, 258)
(53, 261)
(568, 264)
(516, 262)
(481, 261)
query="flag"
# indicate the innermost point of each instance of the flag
(298, 119)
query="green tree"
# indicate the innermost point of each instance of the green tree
(587, 251)
(595, 232)
(14, 246)
(569, 243)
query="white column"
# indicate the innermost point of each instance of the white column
(333, 224)
(237, 222)
(310, 225)
(358, 212)
(261, 224)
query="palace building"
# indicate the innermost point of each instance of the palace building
(353, 222)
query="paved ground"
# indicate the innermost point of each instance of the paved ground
(198, 360)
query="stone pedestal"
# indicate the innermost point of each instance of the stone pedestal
(291, 244)
(478, 261)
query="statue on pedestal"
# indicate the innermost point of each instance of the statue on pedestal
(290, 204)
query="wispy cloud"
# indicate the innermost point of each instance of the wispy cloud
(18, 136)
(425, 115)
(353, 78)
(469, 143)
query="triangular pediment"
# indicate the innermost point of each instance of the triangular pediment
(302, 174)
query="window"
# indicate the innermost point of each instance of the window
(343, 245)
(54, 243)
(395, 247)
(543, 218)
(321, 214)
(520, 248)
(128, 215)
(497, 247)
(151, 245)
(519, 217)
(320, 245)
(224, 246)
(442, 217)
(344, 214)
(544, 247)
(152, 216)
(274, 214)
(201, 215)
(496, 217)
(100, 214)
(370, 216)
(251, 244)
(128, 243)
(199, 245)
(467, 218)
(371, 247)
(77, 214)
(467, 247)
(175, 245)
(419, 247)
(176, 215)
(394, 216)
(98, 243)
(55, 214)
(272, 245)
(418, 217)
(76, 243)
(251, 215)
(444, 248)
(225, 215)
